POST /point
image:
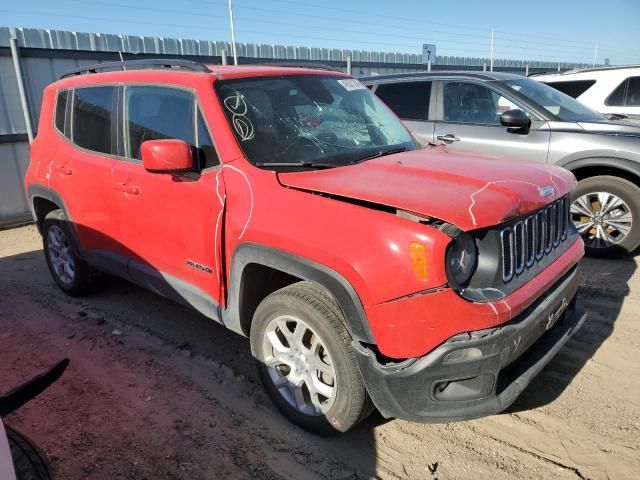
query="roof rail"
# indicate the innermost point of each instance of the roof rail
(186, 65)
(588, 69)
(317, 66)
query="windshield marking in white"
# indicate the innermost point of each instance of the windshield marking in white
(238, 107)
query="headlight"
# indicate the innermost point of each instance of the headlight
(462, 259)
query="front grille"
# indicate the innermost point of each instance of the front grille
(529, 240)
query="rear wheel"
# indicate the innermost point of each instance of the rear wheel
(305, 360)
(606, 212)
(70, 272)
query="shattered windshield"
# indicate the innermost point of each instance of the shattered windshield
(309, 120)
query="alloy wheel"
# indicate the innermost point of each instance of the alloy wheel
(601, 218)
(60, 256)
(299, 365)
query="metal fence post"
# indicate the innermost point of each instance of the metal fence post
(348, 64)
(15, 55)
(526, 70)
(224, 57)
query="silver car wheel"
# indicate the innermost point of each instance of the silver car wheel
(601, 218)
(299, 365)
(60, 256)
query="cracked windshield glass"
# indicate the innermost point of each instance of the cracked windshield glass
(310, 121)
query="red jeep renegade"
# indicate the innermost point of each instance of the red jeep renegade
(293, 207)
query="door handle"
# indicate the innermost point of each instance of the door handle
(130, 189)
(448, 138)
(63, 169)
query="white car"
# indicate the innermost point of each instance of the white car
(613, 91)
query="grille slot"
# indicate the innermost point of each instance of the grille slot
(529, 240)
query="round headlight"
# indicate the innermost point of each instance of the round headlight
(462, 259)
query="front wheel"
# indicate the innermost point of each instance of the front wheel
(305, 360)
(606, 212)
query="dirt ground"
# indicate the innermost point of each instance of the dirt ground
(156, 391)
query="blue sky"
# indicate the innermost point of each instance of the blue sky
(560, 30)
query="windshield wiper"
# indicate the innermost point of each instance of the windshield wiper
(381, 153)
(295, 164)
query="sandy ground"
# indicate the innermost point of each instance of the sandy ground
(156, 391)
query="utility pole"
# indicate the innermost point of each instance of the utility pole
(233, 35)
(491, 65)
(595, 55)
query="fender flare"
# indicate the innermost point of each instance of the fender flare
(301, 267)
(39, 191)
(624, 164)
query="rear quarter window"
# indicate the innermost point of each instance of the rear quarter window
(61, 108)
(573, 88)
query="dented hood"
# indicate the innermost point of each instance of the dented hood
(468, 191)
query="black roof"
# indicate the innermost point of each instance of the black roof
(478, 75)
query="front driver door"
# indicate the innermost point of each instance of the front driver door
(469, 121)
(170, 223)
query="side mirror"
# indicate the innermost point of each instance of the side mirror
(166, 156)
(517, 120)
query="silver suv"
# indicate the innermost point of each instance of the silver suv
(502, 114)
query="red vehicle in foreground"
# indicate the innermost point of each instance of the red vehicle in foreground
(293, 207)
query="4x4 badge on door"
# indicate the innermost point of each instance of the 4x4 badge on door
(555, 315)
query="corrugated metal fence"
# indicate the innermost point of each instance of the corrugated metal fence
(45, 54)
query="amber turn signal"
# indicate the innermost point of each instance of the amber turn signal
(418, 254)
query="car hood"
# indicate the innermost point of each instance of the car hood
(468, 191)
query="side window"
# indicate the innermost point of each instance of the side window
(206, 151)
(61, 108)
(617, 97)
(91, 118)
(633, 92)
(573, 88)
(156, 113)
(409, 100)
(465, 102)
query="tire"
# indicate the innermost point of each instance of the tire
(28, 460)
(303, 305)
(588, 197)
(70, 272)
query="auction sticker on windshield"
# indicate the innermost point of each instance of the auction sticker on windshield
(351, 84)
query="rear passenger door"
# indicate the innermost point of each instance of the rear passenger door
(469, 121)
(411, 102)
(170, 223)
(81, 170)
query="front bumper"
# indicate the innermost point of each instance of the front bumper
(476, 373)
